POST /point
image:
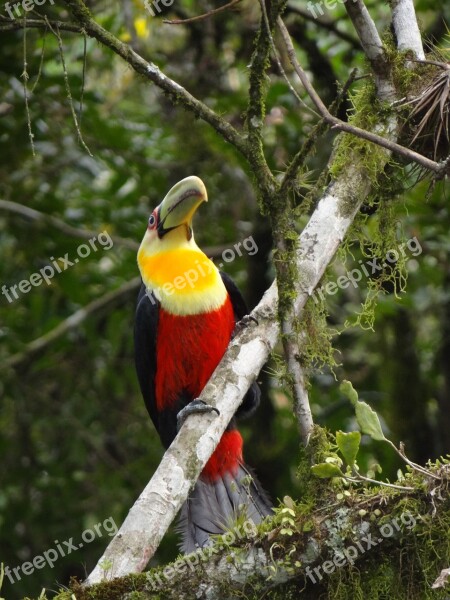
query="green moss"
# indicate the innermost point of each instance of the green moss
(368, 112)
(386, 240)
(309, 531)
(317, 335)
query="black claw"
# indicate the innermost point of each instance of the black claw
(243, 323)
(196, 407)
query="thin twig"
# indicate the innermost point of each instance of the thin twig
(68, 91)
(83, 78)
(25, 88)
(206, 15)
(41, 63)
(413, 465)
(40, 217)
(298, 160)
(75, 320)
(359, 477)
(325, 24)
(278, 61)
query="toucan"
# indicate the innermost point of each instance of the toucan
(187, 311)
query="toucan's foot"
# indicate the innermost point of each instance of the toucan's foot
(196, 407)
(243, 323)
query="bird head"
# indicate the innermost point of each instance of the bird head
(180, 275)
(171, 222)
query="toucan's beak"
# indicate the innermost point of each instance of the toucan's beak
(180, 204)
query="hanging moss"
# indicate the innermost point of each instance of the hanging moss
(316, 336)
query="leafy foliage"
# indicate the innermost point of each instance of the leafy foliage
(75, 441)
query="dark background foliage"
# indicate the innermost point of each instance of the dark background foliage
(76, 444)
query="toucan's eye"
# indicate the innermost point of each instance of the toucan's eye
(152, 221)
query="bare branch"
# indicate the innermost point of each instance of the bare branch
(86, 234)
(324, 23)
(25, 77)
(278, 61)
(206, 15)
(38, 345)
(298, 160)
(18, 24)
(40, 217)
(279, 210)
(373, 48)
(406, 28)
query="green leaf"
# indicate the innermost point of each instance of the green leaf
(348, 444)
(308, 525)
(346, 388)
(368, 421)
(326, 470)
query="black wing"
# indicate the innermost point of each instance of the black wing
(252, 397)
(238, 302)
(145, 328)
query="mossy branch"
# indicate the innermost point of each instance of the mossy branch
(314, 547)
(18, 24)
(440, 169)
(256, 104)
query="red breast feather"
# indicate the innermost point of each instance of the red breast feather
(189, 348)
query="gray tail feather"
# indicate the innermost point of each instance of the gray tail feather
(214, 507)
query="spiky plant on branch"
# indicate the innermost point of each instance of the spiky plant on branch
(428, 122)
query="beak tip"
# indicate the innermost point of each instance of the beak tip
(196, 183)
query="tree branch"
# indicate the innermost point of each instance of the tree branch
(280, 211)
(406, 28)
(267, 561)
(325, 24)
(18, 24)
(373, 47)
(40, 344)
(256, 106)
(40, 217)
(155, 509)
(176, 93)
(441, 169)
(206, 15)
